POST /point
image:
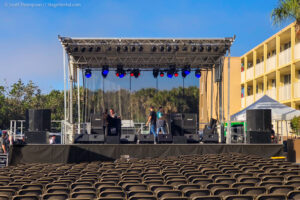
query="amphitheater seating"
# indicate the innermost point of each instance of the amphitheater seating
(229, 176)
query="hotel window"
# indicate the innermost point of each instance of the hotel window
(287, 79)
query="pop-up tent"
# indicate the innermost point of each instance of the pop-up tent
(279, 111)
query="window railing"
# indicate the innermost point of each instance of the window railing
(285, 57)
(249, 100)
(297, 51)
(285, 92)
(259, 69)
(272, 93)
(297, 89)
(243, 77)
(271, 63)
(249, 73)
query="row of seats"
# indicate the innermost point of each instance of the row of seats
(229, 176)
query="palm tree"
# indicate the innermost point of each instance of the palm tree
(287, 9)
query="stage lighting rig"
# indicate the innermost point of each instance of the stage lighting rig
(201, 48)
(83, 49)
(169, 48)
(176, 48)
(161, 74)
(198, 73)
(125, 48)
(120, 72)
(216, 48)
(171, 71)
(98, 49)
(176, 74)
(90, 49)
(186, 71)
(105, 71)
(118, 48)
(208, 48)
(75, 49)
(155, 73)
(88, 73)
(141, 48)
(133, 48)
(162, 48)
(136, 73)
(194, 48)
(153, 48)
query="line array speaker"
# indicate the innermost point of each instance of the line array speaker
(259, 120)
(38, 120)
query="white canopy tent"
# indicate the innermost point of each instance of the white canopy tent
(280, 112)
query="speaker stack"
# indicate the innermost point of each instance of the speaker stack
(259, 125)
(184, 125)
(38, 124)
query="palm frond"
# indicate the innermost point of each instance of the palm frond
(286, 9)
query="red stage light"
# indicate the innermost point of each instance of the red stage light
(162, 74)
(117, 74)
(131, 74)
(176, 74)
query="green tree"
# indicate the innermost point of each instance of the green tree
(295, 125)
(287, 9)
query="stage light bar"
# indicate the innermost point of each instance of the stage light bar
(198, 73)
(155, 73)
(88, 73)
(105, 71)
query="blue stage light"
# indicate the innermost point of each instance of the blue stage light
(198, 73)
(169, 74)
(105, 71)
(88, 73)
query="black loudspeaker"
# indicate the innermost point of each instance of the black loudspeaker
(210, 137)
(258, 137)
(38, 120)
(146, 138)
(259, 120)
(192, 138)
(127, 138)
(97, 131)
(36, 137)
(164, 138)
(96, 121)
(179, 140)
(189, 121)
(81, 139)
(112, 140)
(176, 124)
(96, 138)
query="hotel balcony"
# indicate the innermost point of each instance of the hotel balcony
(297, 51)
(243, 77)
(272, 93)
(243, 102)
(285, 57)
(249, 73)
(271, 63)
(259, 69)
(297, 89)
(285, 92)
(249, 100)
(259, 95)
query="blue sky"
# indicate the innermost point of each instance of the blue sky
(30, 49)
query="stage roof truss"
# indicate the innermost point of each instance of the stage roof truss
(140, 53)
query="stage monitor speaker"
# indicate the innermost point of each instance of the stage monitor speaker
(189, 121)
(259, 120)
(189, 131)
(210, 137)
(81, 138)
(36, 137)
(38, 120)
(96, 138)
(127, 138)
(258, 137)
(96, 121)
(164, 138)
(145, 138)
(97, 131)
(112, 140)
(179, 140)
(192, 138)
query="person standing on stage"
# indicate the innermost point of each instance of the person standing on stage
(4, 142)
(106, 122)
(113, 114)
(152, 121)
(160, 121)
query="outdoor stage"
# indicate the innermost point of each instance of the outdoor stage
(108, 152)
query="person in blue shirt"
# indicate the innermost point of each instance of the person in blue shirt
(160, 121)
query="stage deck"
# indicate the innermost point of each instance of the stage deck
(107, 152)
